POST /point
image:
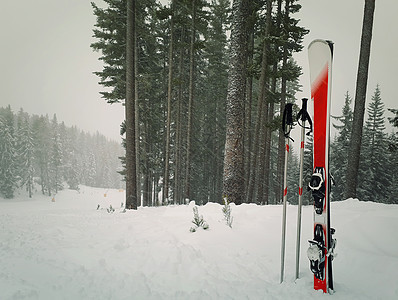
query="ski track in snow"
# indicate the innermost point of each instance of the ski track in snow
(68, 249)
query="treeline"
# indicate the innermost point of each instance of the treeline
(378, 167)
(182, 56)
(43, 155)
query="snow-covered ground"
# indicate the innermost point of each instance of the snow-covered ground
(68, 249)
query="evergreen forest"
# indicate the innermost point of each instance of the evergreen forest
(182, 63)
(42, 155)
(182, 59)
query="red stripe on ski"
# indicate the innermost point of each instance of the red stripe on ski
(287, 148)
(319, 94)
(285, 192)
(300, 191)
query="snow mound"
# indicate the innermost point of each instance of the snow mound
(73, 247)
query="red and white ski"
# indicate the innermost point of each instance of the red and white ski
(320, 252)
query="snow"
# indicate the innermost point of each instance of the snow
(67, 249)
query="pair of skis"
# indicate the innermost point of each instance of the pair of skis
(321, 250)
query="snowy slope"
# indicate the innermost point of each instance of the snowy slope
(68, 249)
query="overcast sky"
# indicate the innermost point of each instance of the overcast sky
(46, 62)
(341, 22)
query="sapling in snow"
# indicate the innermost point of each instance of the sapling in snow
(110, 209)
(227, 213)
(198, 220)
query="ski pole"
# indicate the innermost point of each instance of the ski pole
(287, 123)
(301, 116)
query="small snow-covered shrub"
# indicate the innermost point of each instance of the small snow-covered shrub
(198, 221)
(110, 209)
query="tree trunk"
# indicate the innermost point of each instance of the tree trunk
(249, 97)
(260, 178)
(281, 141)
(168, 124)
(190, 103)
(131, 175)
(146, 195)
(257, 165)
(360, 97)
(177, 194)
(233, 179)
(267, 158)
(137, 123)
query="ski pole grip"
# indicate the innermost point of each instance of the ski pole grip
(288, 115)
(287, 119)
(304, 109)
(303, 115)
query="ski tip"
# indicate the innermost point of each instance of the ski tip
(327, 42)
(331, 45)
(322, 44)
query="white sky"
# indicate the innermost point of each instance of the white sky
(46, 62)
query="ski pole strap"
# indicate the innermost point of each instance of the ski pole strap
(303, 115)
(287, 121)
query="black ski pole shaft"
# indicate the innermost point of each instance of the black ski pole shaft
(303, 116)
(287, 124)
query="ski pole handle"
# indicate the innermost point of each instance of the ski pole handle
(303, 115)
(287, 121)
(303, 111)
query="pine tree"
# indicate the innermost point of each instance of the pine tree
(340, 149)
(8, 164)
(25, 150)
(394, 120)
(373, 176)
(393, 139)
(55, 161)
(392, 173)
(393, 159)
(110, 31)
(41, 129)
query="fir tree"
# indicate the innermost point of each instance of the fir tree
(8, 164)
(110, 31)
(25, 149)
(340, 148)
(42, 152)
(393, 139)
(55, 157)
(373, 176)
(393, 159)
